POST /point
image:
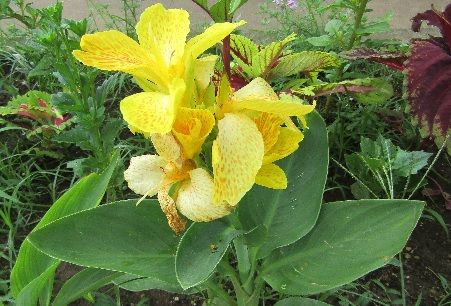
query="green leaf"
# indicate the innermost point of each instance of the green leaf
(138, 283)
(300, 301)
(305, 62)
(82, 283)
(382, 91)
(31, 293)
(119, 237)
(290, 214)
(320, 41)
(350, 239)
(408, 163)
(87, 193)
(201, 249)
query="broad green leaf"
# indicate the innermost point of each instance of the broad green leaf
(137, 283)
(305, 62)
(201, 249)
(87, 193)
(300, 301)
(268, 56)
(31, 293)
(320, 41)
(120, 237)
(349, 240)
(243, 51)
(82, 283)
(223, 10)
(382, 91)
(290, 214)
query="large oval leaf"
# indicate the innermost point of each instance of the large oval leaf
(290, 214)
(200, 250)
(349, 240)
(87, 193)
(119, 236)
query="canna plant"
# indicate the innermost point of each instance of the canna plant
(239, 177)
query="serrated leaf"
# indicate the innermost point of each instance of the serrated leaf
(304, 62)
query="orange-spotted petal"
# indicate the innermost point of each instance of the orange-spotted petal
(163, 33)
(269, 127)
(168, 148)
(191, 128)
(114, 51)
(287, 143)
(257, 89)
(145, 175)
(236, 156)
(195, 198)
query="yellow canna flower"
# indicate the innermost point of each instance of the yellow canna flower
(163, 63)
(251, 137)
(173, 176)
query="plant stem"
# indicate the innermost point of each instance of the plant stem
(218, 291)
(357, 23)
(401, 272)
(226, 56)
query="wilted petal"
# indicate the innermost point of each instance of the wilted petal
(236, 156)
(287, 142)
(167, 205)
(145, 175)
(168, 148)
(214, 34)
(195, 198)
(271, 176)
(152, 112)
(163, 32)
(114, 51)
(191, 128)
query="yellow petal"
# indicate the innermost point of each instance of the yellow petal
(145, 175)
(167, 205)
(214, 34)
(114, 51)
(152, 112)
(191, 128)
(257, 89)
(287, 143)
(269, 127)
(236, 156)
(271, 176)
(163, 32)
(195, 198)
(168, 148)
(204, 69)
(280, 108)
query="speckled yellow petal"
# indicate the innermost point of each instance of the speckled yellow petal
(163, 32)
(257, 89)
(153, 112)
(204, 68)
(168, 148)
(145, 175)
(287, 143)
(195, 198)
(280, 108)
(191, 128)
(236, 156)
(167, 204)
(271, 176)
(114, 51)
(269, 127)
(213, 35)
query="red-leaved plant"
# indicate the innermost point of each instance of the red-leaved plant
(428, 73)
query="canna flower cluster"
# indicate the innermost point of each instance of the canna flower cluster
(212, 143)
